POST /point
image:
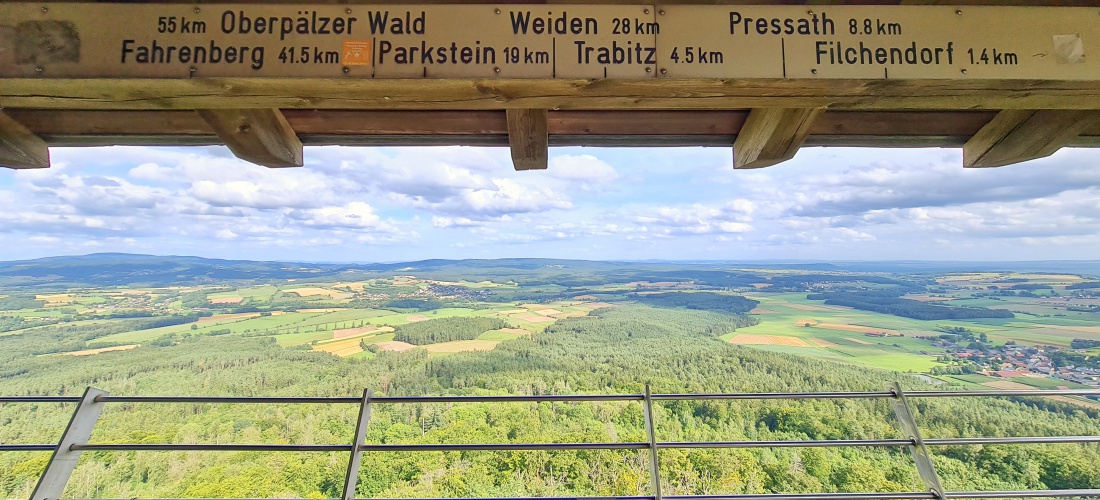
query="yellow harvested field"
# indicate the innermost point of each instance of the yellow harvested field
(761, 310)
(89, 352)
(509, 311)
(462, 346)
(547, 312)
(534, 306)
(856, 328)
(597, 305)
(806, 307)
(761, 285)
(228, 317)
(344, 333)
(802, 322)
(227, 300)
(575, 314)
(533, 318)
(328, 310)
(821, 342)
(1083, 329)
(751, 339)
(1006, 385)
(586, 298)
(414, 319)
(858, 341)
(312, 291)
(395, 345)
(57, 299)
(340, 348)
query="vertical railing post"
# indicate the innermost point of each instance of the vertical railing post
(352, 478)
(53, 480)
(651, 434)
(925, 468)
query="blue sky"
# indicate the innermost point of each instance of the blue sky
(395, 204)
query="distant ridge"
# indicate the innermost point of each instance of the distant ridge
(118, 269)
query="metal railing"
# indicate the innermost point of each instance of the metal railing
(75, 438)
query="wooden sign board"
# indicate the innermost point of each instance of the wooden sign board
(86, 40)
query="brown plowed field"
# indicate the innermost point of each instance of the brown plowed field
(395, 345)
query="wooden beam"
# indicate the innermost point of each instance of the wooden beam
(261, 136)
(772, 135)
(528, 138)
(19, 147)
(1018, 135)
(473, 94)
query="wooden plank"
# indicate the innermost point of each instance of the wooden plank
(772, 135)
(351, 122)
(186, 123)
(1048, 3)
(901, 123)
(1015, 136)
(261, 136)
(665, 94)
(672, 123)
(19, 147)
(528, 138)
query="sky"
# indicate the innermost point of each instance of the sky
(403, 204)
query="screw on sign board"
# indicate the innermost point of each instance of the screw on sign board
(549, 41)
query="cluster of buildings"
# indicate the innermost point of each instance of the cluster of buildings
(1011, 360)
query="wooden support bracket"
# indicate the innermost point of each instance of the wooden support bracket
(261, 136)
(772, 135)
(1018, 135)
(19, 147)
(528, 138)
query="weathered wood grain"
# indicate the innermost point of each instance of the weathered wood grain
(528, 138)
(19, 147)
(261, 136)
(772, 135)
(1016, 135)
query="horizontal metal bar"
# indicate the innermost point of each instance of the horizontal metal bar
(776, 395)
(560, 397)
(1019, 392)
(788, 444)
(27, 447)
(224, 399)
(1012, 440)
(810, 496)
(210, 447)
(39, 399)
(512, 399)
(835, 443)
(504, 447)
(1024, 494)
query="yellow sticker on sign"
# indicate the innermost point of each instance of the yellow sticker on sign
(357, 53)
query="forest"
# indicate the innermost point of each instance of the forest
(610, 351)
(434, 331)
(521, 326)
(890, 303)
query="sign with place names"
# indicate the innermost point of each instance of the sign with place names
(86, 40)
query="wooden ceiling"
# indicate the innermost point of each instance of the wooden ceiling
(268, 120)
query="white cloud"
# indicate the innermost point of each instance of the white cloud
(356, 215)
